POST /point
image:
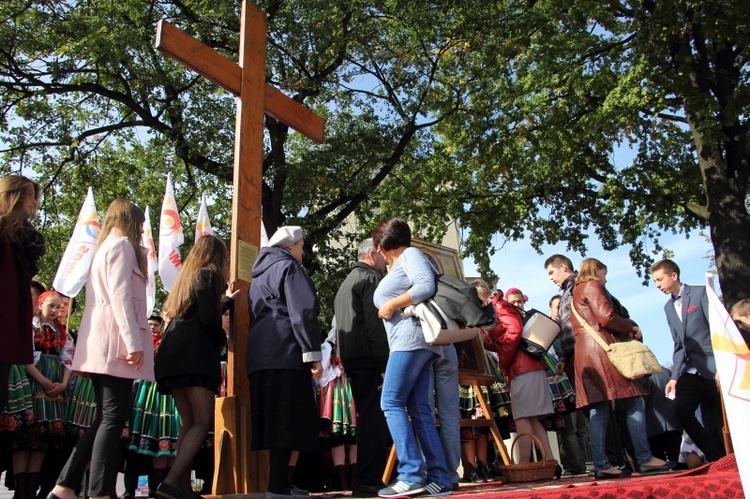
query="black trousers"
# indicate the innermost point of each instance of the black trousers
(694, 390)
(100, 443)
(373, 437)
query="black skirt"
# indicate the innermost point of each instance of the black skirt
(166, 385)
(283, 410)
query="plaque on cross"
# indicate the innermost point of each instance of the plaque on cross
(237, 469)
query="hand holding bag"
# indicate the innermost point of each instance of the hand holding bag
(631, 358)
(437, 326)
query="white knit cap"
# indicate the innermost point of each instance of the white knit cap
(286, 236)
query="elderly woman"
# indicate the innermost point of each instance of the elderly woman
(598, 383)
(283, 348)
(410, 280)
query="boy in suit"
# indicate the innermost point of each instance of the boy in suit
(694, 369)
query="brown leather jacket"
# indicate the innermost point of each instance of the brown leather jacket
(596, 378)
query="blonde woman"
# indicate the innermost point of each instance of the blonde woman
(188, 363)
(598, 383)
(114, 347)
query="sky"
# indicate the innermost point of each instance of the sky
(520, 266)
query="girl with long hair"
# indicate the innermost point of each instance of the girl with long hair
(21, 249)
(114, 347)
(188, 363)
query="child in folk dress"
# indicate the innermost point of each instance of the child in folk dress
(49, 376)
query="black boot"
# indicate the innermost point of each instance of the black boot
(21, 486)
(339, 478)
(32, 484)
(350, 475)
(290, 477)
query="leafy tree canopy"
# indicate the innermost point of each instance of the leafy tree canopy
(501, 115)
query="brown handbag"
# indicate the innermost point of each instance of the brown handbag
(631, 358)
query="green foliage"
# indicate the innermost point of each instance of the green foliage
(505, 116)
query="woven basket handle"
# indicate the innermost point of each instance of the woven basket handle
(536, 439)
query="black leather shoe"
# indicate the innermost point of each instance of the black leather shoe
(603, 475)
(475, 476)
(484, 472)
(658, 468)
(167, 491)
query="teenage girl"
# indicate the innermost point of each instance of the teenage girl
(188, 364)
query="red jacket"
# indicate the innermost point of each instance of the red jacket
(504, 339)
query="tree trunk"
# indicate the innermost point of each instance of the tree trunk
(727, 214)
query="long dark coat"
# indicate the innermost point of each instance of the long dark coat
(596, 378)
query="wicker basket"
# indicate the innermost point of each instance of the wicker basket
(530, 472)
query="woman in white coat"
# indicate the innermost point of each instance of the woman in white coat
(114, 347)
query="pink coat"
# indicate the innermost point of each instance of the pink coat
(114, 322)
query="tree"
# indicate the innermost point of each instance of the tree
(503, 116)
(556, 87)
(86, 100)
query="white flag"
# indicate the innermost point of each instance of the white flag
(76, 262)
(263, 235)
(733, 367)
(147, 241)
(170, 238)
(203, 225)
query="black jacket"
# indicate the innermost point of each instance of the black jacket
(361, 338)
(567, 336)
(192, 344)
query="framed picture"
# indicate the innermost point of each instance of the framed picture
(444, 259)
(472, 359)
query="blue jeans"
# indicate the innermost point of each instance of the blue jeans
(445, 385)
(406, 388)
(635, 418)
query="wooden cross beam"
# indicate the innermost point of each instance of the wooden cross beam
(237, 469)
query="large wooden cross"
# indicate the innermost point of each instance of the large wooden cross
(237, 469)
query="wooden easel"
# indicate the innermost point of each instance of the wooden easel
(476, 381)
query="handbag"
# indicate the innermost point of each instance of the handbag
(437, 327)
(631, 358)
(539, 331)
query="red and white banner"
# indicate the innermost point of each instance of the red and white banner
(147, 241)
(203, 224)
(76, 261)
(170, 238)
(733, 367)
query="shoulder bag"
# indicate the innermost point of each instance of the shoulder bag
(631, 358)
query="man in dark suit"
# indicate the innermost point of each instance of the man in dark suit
(694, 369)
